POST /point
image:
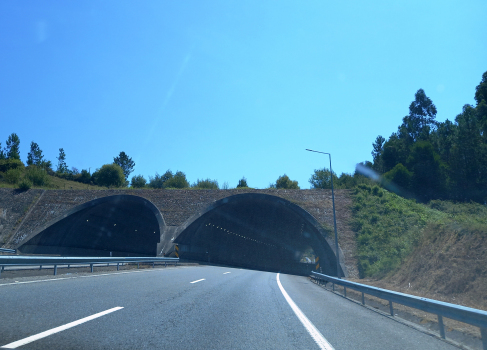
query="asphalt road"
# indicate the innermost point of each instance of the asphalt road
(223, 308)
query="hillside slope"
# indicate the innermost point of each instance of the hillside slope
(435, 250)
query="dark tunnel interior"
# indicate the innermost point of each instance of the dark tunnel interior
(123, 225)
(257, 231)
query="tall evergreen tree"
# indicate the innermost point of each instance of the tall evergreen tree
(126, 163)
(62, 168)
(421, 119)
(13, 147)
(377, 150)
(468, 162)
(34, 157)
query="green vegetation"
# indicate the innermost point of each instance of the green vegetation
(242, 183)
(12, 151)
(126, 163)
(321, 179)
(426, 159)
(109, 175)
(62, 168)
(388, 227)
(285, 182)
(207, 184)
(169, 180)
(37, 176)
(12, 176)
(138, 181)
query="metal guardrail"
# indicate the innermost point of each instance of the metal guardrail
(6, 250)
(460, 313)
(55, 261)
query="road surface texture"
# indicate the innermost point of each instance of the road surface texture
(197, 307)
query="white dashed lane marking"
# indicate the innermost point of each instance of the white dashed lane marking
(197, 281)
(38, 336)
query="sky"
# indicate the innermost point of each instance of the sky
(227, 89)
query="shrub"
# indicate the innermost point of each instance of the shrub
(286, 183)
(177, 181)
(400, 176)
(109, 175)
(7, 164)
(83, 177)
(12, 176)
(242, 183)
(206, 184)
(138, 181)
(24, 185)
(37, 176)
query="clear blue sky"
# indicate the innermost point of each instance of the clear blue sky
(225, 89)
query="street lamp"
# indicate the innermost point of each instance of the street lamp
(334, 216)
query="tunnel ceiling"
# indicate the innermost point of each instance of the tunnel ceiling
(256, 230)
(124, 225)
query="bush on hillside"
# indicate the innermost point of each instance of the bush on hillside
(138, 181)
(206, 184)
(286, 183)
(109, 175)
(36, 175)
(177, 181)
(242, 183)
(12, 176)
(24, 185)
(7, 164)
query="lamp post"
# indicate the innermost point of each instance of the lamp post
(334, 216)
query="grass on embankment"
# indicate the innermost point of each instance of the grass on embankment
(54, 183)
(390, 228)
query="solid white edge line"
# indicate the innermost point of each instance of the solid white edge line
(198, 281)
(312, 330)
(38, 336)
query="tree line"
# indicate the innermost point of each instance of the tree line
(427, 159)
(116, 174)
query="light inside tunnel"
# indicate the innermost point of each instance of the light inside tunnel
(257, 231)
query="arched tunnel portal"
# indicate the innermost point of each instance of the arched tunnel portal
(121, 225)
(257, 231)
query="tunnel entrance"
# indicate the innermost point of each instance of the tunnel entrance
(121, 225)
(257, 231)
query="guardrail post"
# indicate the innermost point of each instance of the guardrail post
(91, 267)
(40, 267)
(153, 264)
(483, 334)
(442, 326)
(68, 266)
(333, 286)
(363, 299)
(165, 263)
(345, 291)
(118, 266)
(137, 265)
(391, 308)
(55, 270)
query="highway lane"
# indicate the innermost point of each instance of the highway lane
(224, 308)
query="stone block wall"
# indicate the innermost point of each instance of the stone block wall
(14, 205)
(176, 207)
